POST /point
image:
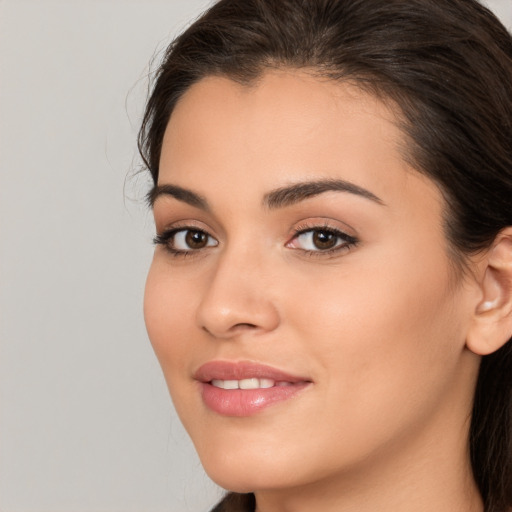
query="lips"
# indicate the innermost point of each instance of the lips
(244, 389)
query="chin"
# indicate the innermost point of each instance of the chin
(242, 479)
(246, 469)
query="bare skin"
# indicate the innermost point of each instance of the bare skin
(377, 321)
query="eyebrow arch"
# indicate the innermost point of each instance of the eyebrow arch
(287, 196)
(279, 198)
(179, 193)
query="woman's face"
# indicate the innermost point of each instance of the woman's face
(301, 300)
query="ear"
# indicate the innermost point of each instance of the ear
(491, 326)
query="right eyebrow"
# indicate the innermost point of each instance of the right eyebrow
(298, 192)
(179, 193)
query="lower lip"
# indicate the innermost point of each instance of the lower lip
(246, 402)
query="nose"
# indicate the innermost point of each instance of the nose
(238, 299)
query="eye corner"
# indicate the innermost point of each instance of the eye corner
(185, 240)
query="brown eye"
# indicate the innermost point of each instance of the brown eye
(323, 240)
(185, 240)
(196, 239)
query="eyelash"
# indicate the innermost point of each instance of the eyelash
(348, 241)
(166, 237)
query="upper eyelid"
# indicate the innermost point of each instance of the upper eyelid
(331, 229)
(212, 225)
(171, 231)
(324, 223)
(183, 225)
(335, 231)
(299, 227)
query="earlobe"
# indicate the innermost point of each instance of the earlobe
(491, 326)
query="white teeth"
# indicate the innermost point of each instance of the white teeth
(249, 384)
(230, 384)
(244, 383)
(266, 383)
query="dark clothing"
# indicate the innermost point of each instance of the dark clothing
(234, 502)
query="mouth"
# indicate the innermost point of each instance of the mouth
(242, 389)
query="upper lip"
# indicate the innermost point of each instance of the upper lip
(238, 370)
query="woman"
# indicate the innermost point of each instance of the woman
(331, 293)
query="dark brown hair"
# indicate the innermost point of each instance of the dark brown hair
(447, 64)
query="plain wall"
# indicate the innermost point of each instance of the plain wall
(86, 424)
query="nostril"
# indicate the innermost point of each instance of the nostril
(244, 326)
(233, 330)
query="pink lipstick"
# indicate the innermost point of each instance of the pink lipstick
(243, 388)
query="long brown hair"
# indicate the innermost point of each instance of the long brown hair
(447, 64)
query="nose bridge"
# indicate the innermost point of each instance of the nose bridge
(237, 298)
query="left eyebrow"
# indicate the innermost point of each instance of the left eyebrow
(287, 196)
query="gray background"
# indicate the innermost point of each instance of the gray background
(85, 421)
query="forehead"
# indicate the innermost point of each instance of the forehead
(286, 127)
(292, 106)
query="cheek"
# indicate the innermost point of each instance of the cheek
(166, 315)
(170, 323)
(387, 337)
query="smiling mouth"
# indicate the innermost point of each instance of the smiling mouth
(243, 389)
